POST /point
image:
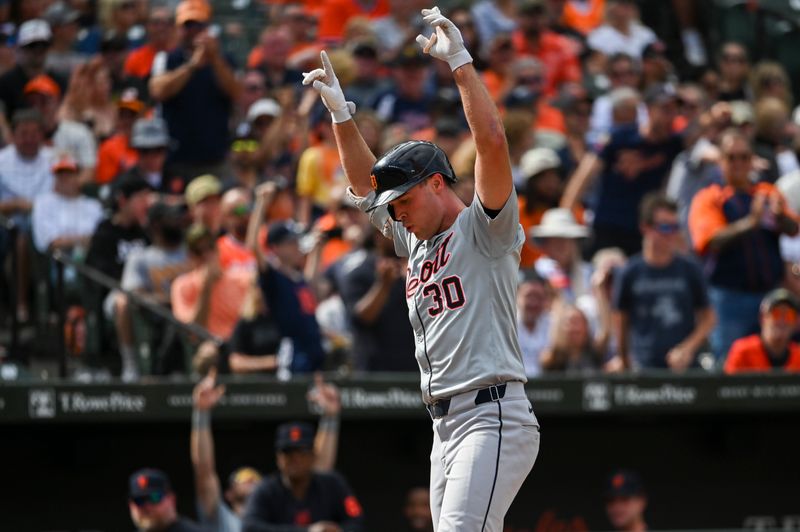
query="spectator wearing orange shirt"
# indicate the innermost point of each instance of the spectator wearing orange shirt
(773, 349)
(542, 191)
(335, 13)
(271, 56)
(233, 251)
(159, 38)
(557, 53)
(208, 295)
(203, 195)
(116, 154)
(735, 228)
(583, 15)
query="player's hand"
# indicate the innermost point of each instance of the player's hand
(680, 357)
(207, 392)
(446, 42)
(326, 396)
(324, 80)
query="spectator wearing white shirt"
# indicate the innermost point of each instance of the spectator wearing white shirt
(63, 218)
(533, 321)
(24, 174)
(622, 32)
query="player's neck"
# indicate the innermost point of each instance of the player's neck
(452, 208)
(655, 256)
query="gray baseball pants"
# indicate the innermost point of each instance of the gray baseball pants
(481, 455)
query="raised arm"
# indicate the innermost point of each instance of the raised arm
(493, 181)
(265, 194)
(207, 486)
(354, 154)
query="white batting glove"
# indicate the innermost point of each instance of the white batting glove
(446, 42)
(324, 80)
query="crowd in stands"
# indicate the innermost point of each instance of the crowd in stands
(658, 185)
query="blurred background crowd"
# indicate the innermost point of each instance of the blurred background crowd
(171, 196)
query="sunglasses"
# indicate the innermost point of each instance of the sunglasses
(241, 210)
(240, 146)
(738, 156)
(194, 25)
(151, 151)
(666, 228)
(734, 58)
(151, 498)
(783, 314)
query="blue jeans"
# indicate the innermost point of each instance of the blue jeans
(737, 316)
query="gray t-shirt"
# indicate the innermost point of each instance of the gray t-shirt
(460, 291)
(223, 521)
(152, 269)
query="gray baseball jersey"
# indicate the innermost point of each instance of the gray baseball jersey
(460, 290)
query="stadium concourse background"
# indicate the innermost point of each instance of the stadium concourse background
(713, 452)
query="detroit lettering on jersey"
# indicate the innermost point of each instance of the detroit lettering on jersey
(460, 292)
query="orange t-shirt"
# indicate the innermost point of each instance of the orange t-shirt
(530, 252)
(335, 14)
(225, 302)
(706, 214)
(234, 255)
(113, 157)
(558, 55)
(584, 20)
(748, 354)
(140, 61)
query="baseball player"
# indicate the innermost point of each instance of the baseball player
(460, 288)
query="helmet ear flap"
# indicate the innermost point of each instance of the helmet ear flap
(390, 208)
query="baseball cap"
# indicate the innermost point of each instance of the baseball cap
(244, 475)
(365, 49)
(149, 133)
(660, 93)
(294, 435)
(129, 99)
(282, 231)
(33, 31)
(129, 183)
(202, 187)
(192, 10)
(42, 84)
(59, 14)
(65, 163)
(263, 107)
(21, 116)
(570, 96)
(624, 483)
(538, 160)
(654, 49)
(779, 296)
(521, 98)
(144, 483)
(160, 212)
(410, 55)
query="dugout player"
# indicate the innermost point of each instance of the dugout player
(460, 287)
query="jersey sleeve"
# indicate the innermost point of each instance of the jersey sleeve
(350, 514)
(706, 217)
(495, 237)
(380, 219)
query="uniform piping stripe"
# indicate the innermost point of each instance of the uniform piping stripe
(424, 346)
(497, 463)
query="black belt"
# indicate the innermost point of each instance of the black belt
(493, 393)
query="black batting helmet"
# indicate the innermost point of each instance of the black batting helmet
(406, 165)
